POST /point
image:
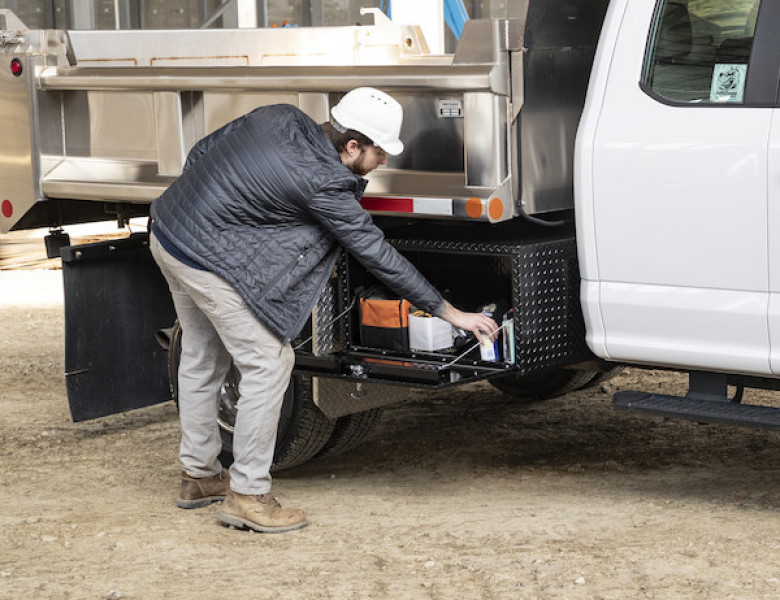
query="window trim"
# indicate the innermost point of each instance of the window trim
(765, 57)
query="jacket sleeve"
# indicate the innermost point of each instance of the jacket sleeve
(339, 212)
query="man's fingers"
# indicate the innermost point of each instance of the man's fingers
(489, 327)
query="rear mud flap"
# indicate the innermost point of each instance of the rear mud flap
(116, 300)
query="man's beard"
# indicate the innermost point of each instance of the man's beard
(359, 166)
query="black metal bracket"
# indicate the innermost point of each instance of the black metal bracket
(703, 385)
(55, 242)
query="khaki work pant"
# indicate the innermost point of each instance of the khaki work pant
(217, 326)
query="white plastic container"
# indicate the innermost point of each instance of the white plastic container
(429, 333)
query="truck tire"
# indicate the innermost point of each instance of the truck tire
(531, 388)
(350, 432)
(604, 376)
(303, 428)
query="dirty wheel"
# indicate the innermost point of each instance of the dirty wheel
(303, 428)
(350, 432)
(530, 388)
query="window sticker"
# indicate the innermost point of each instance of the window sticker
(728, 83)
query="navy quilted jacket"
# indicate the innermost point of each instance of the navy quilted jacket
(264, 202)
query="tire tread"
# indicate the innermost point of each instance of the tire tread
(350, 432)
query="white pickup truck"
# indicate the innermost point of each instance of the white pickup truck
(608, 172)
(677, 195)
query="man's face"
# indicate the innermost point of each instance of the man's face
(366, 160)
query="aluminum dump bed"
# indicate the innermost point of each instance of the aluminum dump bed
(103, 120)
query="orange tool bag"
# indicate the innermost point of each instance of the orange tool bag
(384, 322)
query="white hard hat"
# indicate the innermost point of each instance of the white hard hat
(374, 114)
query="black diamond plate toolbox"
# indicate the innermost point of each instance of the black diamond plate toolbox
(542, 278)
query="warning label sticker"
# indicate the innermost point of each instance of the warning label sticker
(450, 109)
(728, 83)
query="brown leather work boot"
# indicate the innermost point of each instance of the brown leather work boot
(197, 492)
(261, 513)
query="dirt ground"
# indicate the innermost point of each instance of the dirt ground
(462, 494)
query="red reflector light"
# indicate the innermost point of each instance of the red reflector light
(7, 208)
(16, 67)
(404, 205)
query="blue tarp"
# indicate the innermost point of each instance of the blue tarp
(455, 14)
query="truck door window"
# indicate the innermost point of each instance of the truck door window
(700, 50)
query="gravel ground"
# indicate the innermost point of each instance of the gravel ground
(463, 494)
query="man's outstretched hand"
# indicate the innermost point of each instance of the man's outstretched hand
(476, 323)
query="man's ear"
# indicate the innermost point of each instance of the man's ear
(353, 147)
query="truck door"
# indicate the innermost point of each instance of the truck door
(679, 268)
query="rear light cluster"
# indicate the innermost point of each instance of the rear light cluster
(16, 67)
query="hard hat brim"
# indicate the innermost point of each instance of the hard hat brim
(392, 148)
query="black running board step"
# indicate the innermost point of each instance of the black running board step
(705, 411)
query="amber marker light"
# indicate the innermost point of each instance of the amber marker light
(474, 208)
(496, 209)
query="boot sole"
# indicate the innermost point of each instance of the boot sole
(199, 503)
(239, 523)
